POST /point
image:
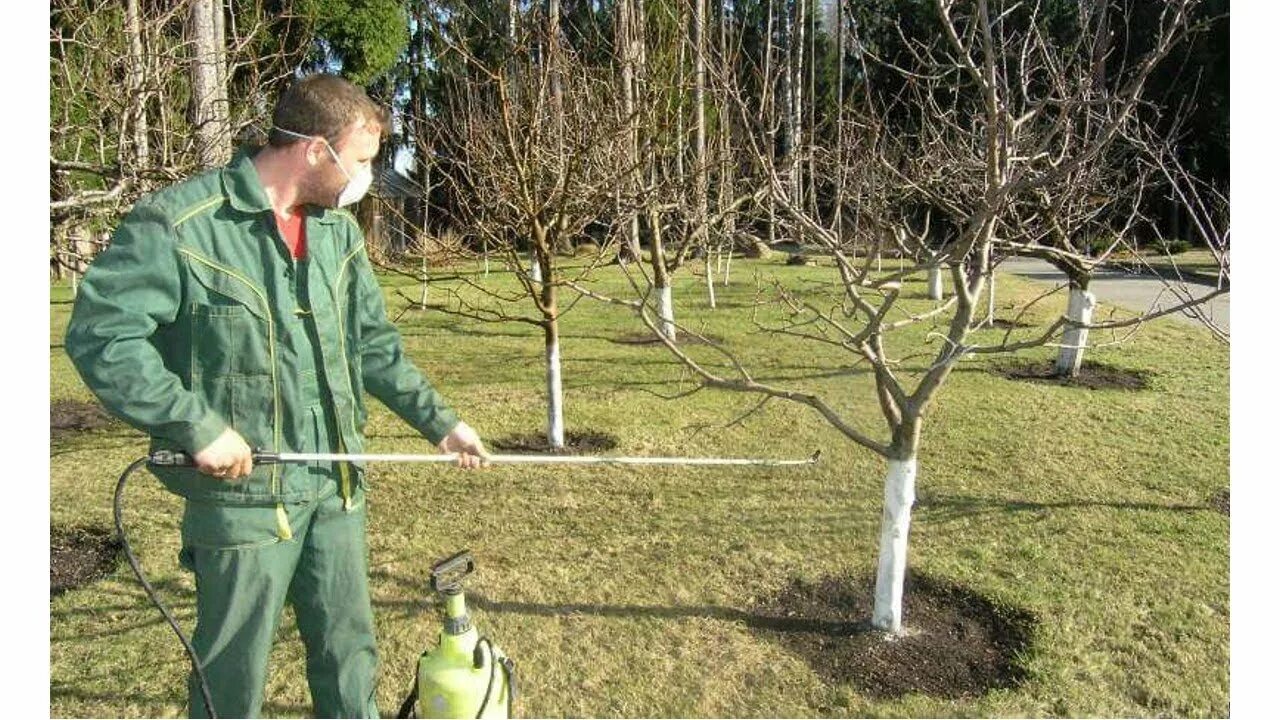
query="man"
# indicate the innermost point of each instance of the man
(238, 309)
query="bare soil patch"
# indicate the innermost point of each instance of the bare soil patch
(576, 442)
(79, 556)
(1092, 375)
(956, 643)
(645, 338)
(1221, 501)
(72, 416)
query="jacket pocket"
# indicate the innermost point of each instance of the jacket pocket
(230, 323)
(224, 528)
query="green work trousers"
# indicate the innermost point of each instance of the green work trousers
(245, 574)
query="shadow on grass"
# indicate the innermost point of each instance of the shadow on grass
(832, 628)
(478, 600)
(98, 441)
(954, 507)
(59, 691)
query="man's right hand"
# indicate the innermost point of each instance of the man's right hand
(229, 457)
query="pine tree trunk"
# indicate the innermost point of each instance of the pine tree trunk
(701, 185)
(208, 89)
(136, 80)
(767, 112)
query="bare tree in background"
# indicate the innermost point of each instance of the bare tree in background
(120, 122)
(537, 170)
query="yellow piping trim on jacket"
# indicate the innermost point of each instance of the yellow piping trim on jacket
(282, 518)
(342, 344)
(197, 209)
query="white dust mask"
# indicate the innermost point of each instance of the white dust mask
(356, 186)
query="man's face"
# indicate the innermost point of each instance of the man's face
(354, 150)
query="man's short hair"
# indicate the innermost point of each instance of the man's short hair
(324, 105)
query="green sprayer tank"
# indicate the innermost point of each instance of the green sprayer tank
(465, 675)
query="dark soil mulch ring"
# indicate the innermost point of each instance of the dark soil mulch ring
(1092, 375)
(955, 643)
(79, 556)
(1003, 324)
(645, 338)
(72, 416)
(576, 442)
(1221, 501)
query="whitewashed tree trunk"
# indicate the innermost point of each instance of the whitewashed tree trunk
(423, 301)
(728, 258)
(1079, 309)
(991, 298)
(895, 526)
(711, 282)
(535, 268)
(935, 283)
(555, 392)
(667, 312)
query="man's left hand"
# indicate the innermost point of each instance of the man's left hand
(466, 443)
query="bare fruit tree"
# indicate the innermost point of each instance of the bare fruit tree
(535, 174)
(1002, 143)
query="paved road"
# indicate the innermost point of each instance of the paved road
(1135, 292)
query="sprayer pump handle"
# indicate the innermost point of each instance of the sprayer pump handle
(446, 575)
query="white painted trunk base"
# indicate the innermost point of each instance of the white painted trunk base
(555, 397)
(535, 269)
(895, 525)
(667, 312)
(935, 283)
(728, 258)
(711, 283)
(991, 298)
(1080, 309)
(423, 301)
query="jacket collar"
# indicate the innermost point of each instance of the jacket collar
(244, 190)
(241, 184)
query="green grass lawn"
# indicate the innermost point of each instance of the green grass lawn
(610, 586)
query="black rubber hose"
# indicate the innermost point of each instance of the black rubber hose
(493, 673)
(151, 591)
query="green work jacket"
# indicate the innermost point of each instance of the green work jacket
(197, 318)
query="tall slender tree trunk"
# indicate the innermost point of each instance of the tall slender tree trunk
(797, 104)
(726, 158)
(425, 233)
(767, 110)
(680, 86)
(208, 86)
(136, 85)
(812, 182)
(700, 142)
(626, 34)
(838, 214)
